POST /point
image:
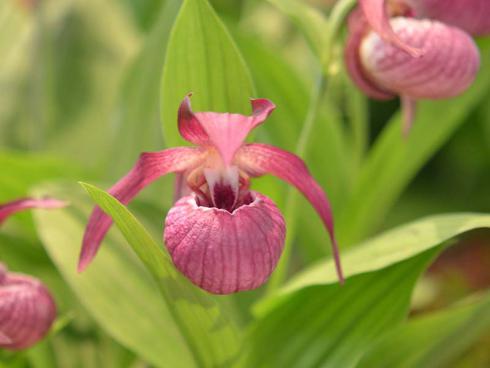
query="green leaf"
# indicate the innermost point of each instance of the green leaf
(203, 321)
(432, 340)
(390, 247)
(333, 325)
(202, 59)
(394, 161)
(116, 289)
(21, 170)
(313, 321)
(138, 120)
(309, 20)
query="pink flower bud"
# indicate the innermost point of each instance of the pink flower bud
(27, 310)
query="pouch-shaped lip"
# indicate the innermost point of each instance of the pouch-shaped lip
(225, 252)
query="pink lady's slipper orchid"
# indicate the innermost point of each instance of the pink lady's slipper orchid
(27, 310)
(221, 235)
(415, 59)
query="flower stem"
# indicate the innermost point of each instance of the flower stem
(335, 22)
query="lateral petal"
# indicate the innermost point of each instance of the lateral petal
(149, 167)
(260, 159)
(10, 208)
(377, 16)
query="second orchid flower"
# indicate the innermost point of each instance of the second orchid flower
(389, 52)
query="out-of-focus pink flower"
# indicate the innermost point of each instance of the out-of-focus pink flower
(10, 208)
(223, 236)
(27, 310)
(473, 16)
(413, 58)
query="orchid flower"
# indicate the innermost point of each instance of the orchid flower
(221, 235)
(413, 58)
(27, 310)
(473, 16)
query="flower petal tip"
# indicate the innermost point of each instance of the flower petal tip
(408, 115)
(262, 107)
(82, 265)
(336, 257)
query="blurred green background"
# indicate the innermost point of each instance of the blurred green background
(79, 100)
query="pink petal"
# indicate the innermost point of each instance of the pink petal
(260, 159)
(150, 166)
(224, 252)
(27, 311)
(3, 272)
(472, 16)
(358, 28)
(377, 17)
(449, 65)
(190, 127)
(225, 131)
(408, 109)
(9, 208)
(4, 340)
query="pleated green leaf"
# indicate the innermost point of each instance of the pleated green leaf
(391, 247)
(116, 289)
(203, 321)
(433, 340)
(203, 59)
(333, 325)
(313, 321)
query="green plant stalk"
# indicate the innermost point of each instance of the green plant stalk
(335, 22)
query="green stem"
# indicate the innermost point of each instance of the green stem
(335, 22)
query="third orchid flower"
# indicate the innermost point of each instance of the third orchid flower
(27, 308)
(221, 235)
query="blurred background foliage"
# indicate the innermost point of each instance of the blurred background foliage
(80, 99)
